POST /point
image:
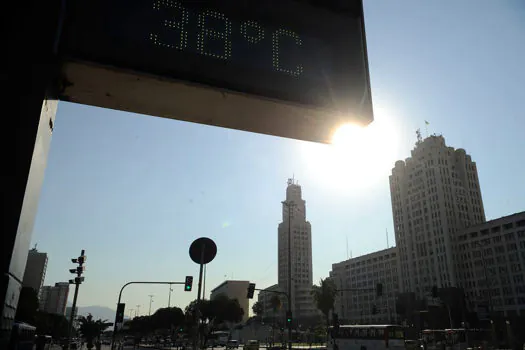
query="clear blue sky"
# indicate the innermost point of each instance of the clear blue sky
(135, 191)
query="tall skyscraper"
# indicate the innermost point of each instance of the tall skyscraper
(35, 271)
(298, 231)
(54, 298)
(435, 193)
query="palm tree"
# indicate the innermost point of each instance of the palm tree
(275, 302)
(91, 329)
(324, 297)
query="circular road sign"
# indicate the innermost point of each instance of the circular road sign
(203, 250)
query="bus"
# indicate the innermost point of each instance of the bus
(22, 336)
(454, 339)
(218, 338)
(367, 337)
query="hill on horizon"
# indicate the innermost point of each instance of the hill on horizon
(97, 311)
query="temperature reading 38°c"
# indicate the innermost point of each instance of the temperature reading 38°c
(210, 33)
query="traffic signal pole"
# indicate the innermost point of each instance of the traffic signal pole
(72, 316)
(120, 297)
(77, 281)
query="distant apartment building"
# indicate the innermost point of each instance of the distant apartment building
(234, 290)
(297, 230)
(35, 271)
(491, 264)
(362, 274)
(54, 298)
(265, 298)
(435, 195)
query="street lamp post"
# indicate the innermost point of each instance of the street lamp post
(169, 297)
(150, 301)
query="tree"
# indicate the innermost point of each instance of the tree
(91, 329)
(275, 302)
(141, 325)
(213, 314)
(27, 305)
(165, 318)
(324, 297)
(258, 308)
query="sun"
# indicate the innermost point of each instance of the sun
(358, 158)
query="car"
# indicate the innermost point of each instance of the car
(251, 345)
(232, 344)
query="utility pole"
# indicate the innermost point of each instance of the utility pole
(131, 313)
(138, 310)
(169, 297)
(76, 281)
(150, 301)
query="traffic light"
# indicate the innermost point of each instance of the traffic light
(79, 270)
(434, 292)
(374, 309)
(251, 290)
(120, 313)
(289, 318)
(188, 283)
(379, 289)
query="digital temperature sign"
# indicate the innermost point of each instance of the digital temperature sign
(303, 53)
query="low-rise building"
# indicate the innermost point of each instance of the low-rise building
(234, 290)
(362, 274)
(490, 262)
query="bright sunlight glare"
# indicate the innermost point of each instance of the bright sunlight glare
(359, 157)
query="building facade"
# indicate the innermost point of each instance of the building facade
(297, 230)
(35, 271)
(234, 290)
(491, 264)
(435, 194)
(362, 274)
(54, 298)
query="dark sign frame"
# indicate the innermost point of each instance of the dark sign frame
(112, 63)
